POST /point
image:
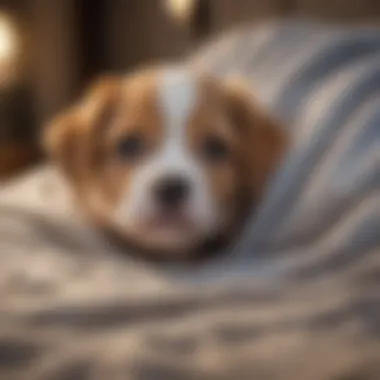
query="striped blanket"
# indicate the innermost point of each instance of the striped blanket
(324, 83)
(297, 298)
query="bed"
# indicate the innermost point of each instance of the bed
(297, 296)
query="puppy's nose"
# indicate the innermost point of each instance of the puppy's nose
(172, 191)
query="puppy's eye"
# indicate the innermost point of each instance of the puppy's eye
(214, 149)
(131, 147)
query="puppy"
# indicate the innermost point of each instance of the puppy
(169, 160)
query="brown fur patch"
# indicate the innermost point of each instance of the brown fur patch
(255, 140)
(83, 139)
(262, 140)
(210, 120)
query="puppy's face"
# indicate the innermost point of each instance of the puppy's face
(167, 158)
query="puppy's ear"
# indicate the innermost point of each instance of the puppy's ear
(69, 137)
(263, 140)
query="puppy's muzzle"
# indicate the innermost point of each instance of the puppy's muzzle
(172, 192)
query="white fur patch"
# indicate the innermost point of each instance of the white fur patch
(177, 97)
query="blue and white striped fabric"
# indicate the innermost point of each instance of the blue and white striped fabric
(324, 83)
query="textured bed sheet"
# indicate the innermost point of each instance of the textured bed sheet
(286, 299)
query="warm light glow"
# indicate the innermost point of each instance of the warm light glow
(9, 50)
(8, 38)
(181, 10)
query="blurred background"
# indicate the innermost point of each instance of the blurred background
(51, 49)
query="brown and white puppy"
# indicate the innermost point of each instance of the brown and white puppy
(168, 159)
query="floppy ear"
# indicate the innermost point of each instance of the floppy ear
(263, 140)
(70, 137)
